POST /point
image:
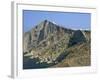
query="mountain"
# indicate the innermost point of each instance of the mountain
(51, 45)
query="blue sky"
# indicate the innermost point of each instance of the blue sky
(67, 19)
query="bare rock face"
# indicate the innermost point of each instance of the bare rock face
(27, 41)
(48, 44)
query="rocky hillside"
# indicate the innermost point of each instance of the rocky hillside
(51, 45)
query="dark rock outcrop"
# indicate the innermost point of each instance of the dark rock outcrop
(77, 37)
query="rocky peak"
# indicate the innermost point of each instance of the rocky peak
(45, 21)
(48, 32)
(50, 44)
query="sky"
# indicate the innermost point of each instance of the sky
(72, 20)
